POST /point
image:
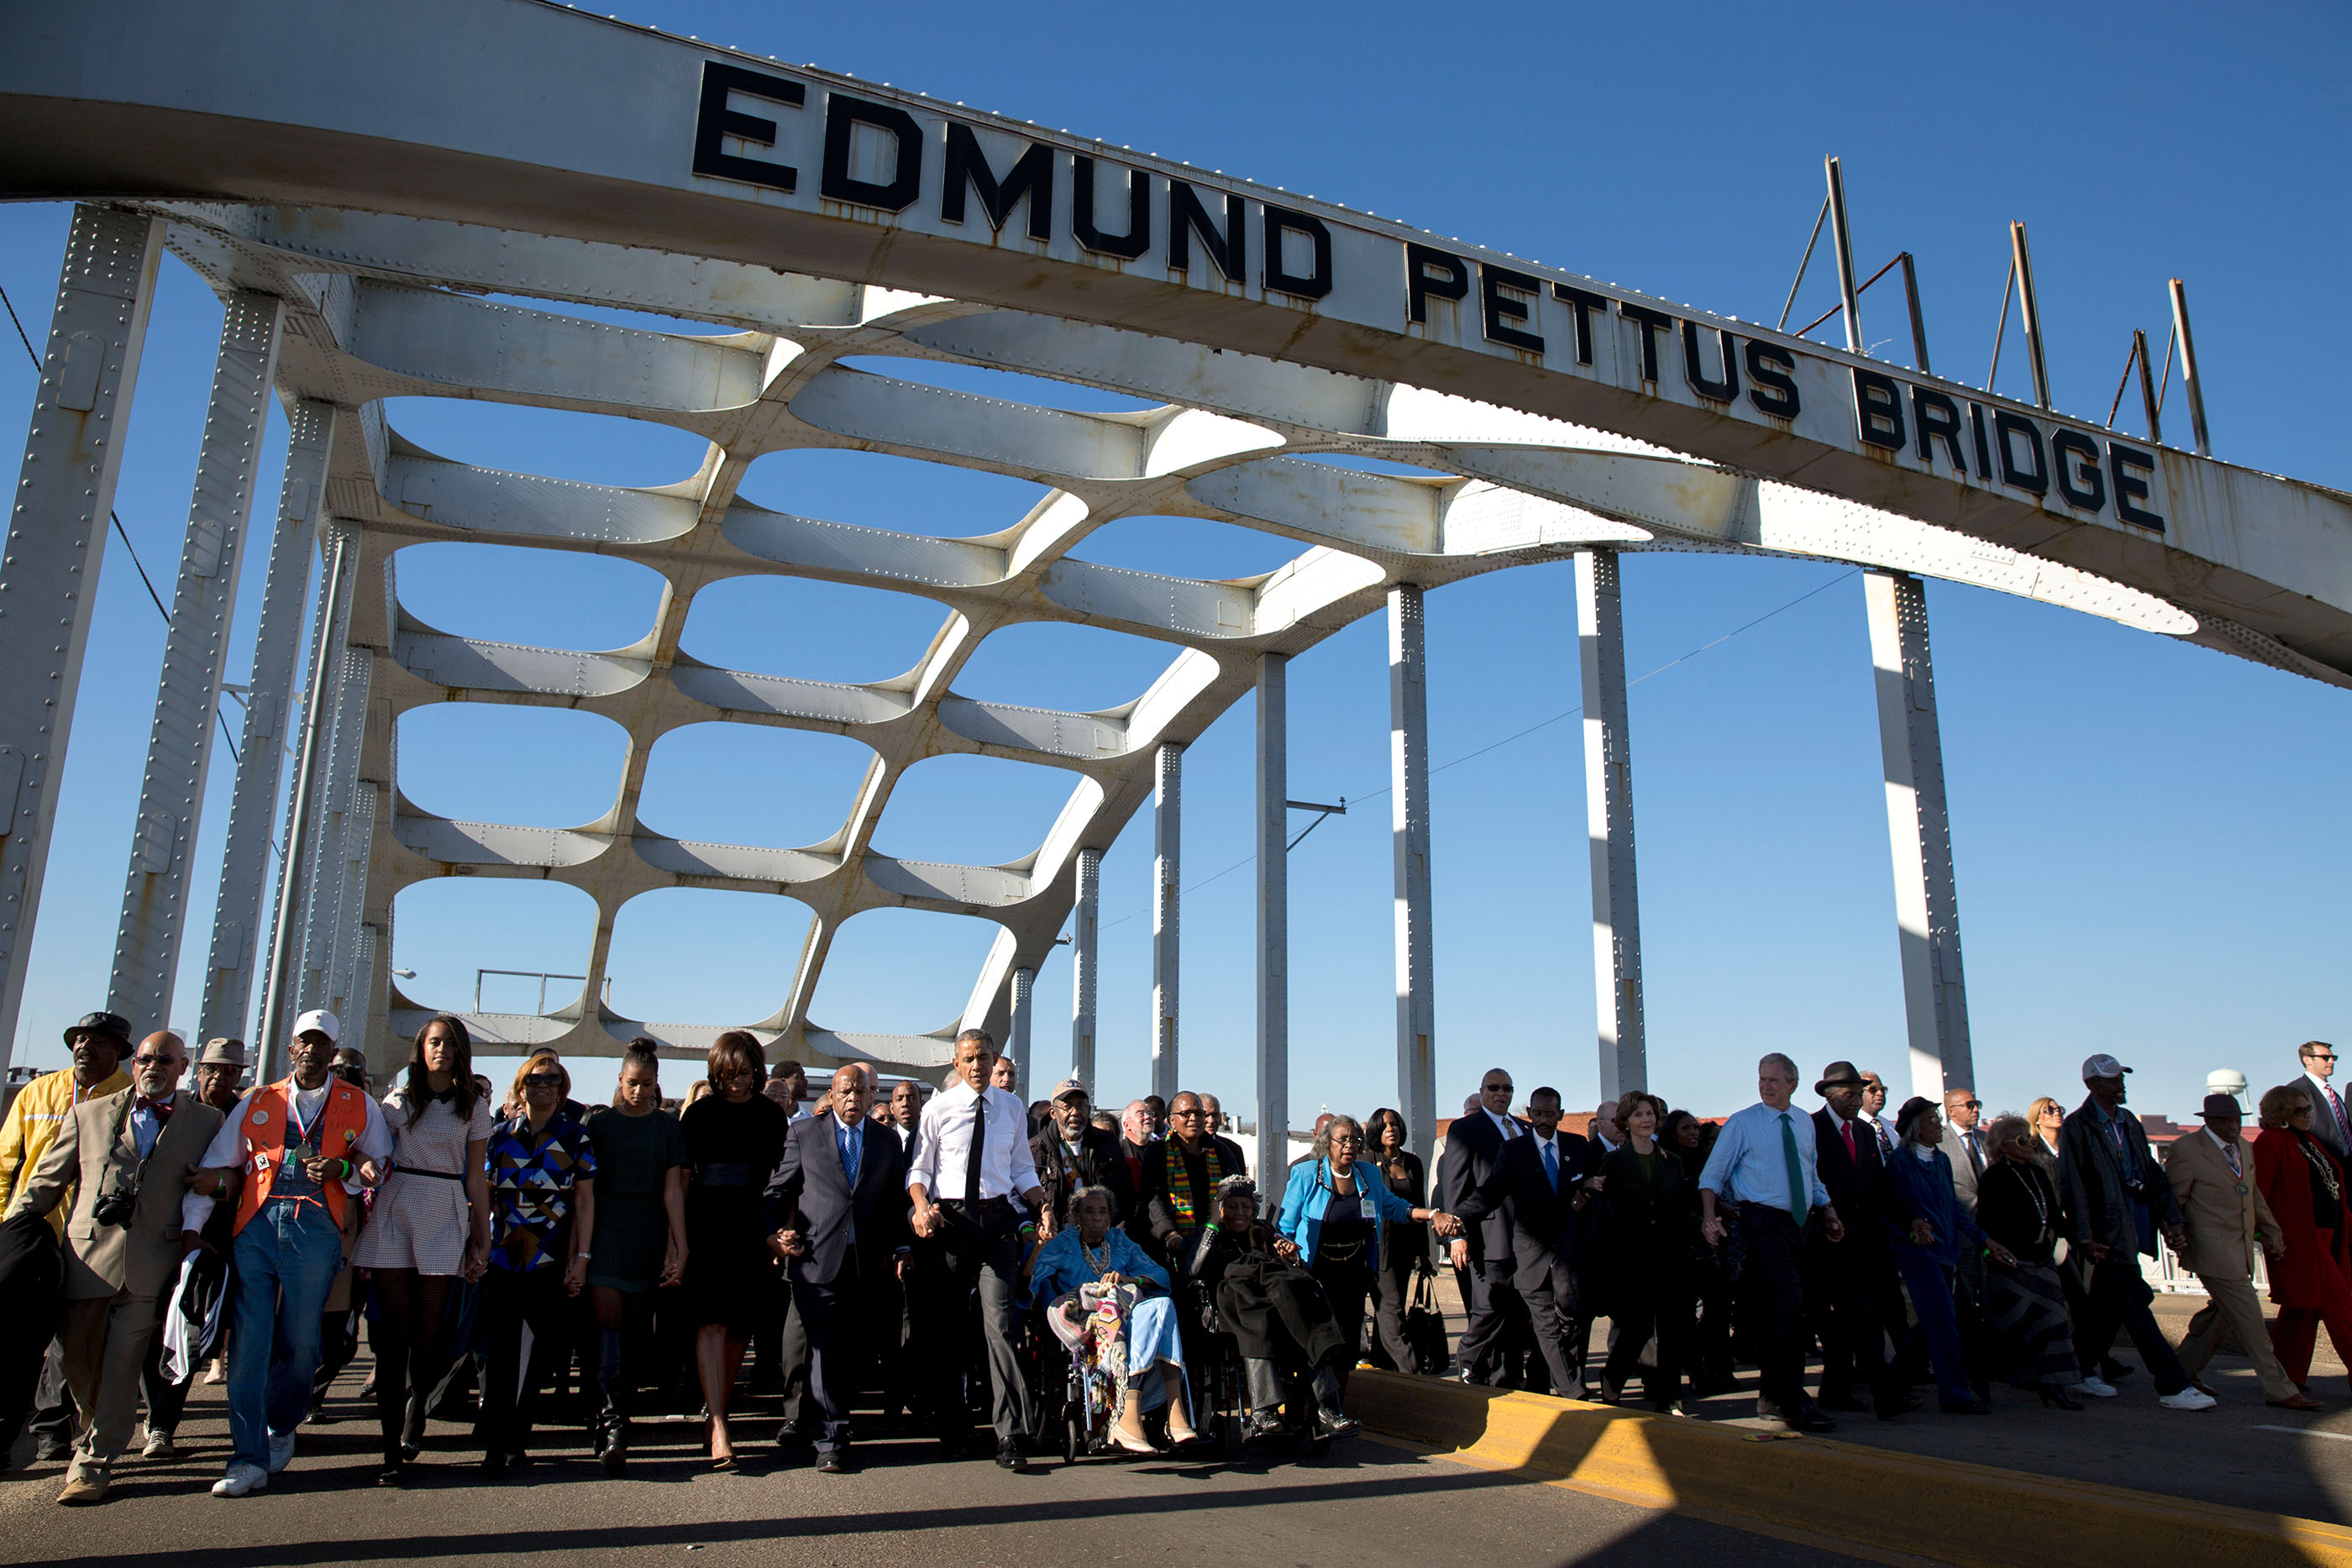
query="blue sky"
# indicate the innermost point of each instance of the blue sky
(2150, 840)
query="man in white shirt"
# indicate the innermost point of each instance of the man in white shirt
(2329, 1118)
(973, 1179)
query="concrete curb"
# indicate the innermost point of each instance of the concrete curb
(1973, 1516)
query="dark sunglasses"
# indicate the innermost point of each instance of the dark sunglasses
(542, 1081)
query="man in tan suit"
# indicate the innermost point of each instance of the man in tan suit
(2213, 1175)
(124, 1161)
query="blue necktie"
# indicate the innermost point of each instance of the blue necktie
(849, 1142)
(1551, 1162)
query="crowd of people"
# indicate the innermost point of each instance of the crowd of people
(952, 1253)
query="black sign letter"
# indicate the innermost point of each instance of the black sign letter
(1582, 303)
(1772, 385)
(1937, 418)
(1498, 310)
(1032, 176)
(2129, 487)
(714, 120)
(1878, 409)
(2006, 428)
(1652, 323)
(1432, 274)
(2076, 459)
(1694, 372)
(1316, 283)
(843, 114)
(1187, 217)
(1138, 237)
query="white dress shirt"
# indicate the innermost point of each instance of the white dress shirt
(1506, 1126)
(1006, 1169)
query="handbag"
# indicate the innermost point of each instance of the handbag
(1424, 1326)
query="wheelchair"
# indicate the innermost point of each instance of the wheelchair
(1058, 1392)
(1220, 1386)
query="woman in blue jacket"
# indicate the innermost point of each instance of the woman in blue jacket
(1332, 1215)
(1928, 1228)
(1108, 1302)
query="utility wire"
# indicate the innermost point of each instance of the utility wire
(1540, 723)
(138, 565)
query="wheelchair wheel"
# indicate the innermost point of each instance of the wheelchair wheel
(1074, 1437)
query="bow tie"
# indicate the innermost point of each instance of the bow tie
(162, 1108)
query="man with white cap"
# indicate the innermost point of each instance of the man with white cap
(296, 1151)
(2116, 1200)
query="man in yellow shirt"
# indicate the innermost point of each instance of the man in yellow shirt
(99, 1042)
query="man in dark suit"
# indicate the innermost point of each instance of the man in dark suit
(1845, 1278)
(836, 1211)
(1483, 1256)
(906, 1116)
(1539, 1180)
(2331, 1123)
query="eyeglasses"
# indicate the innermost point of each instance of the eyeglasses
(1971, 1105)
(1347, 1143)
(2323, 1056)
(1495, 1089)
(149, 1059)
(542, 1081)
(1186, 1115)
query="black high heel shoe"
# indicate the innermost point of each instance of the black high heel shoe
(2052, 1395)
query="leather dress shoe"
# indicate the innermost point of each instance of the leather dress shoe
(832, 1462)
(1008, 1457)
(1808, 1419)
(2295, 1402)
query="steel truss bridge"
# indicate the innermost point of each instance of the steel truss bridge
(354, 220)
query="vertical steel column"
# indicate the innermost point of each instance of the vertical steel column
(1409, 832)
(1086, 921)
(2190, 382)
(1927, 899)
(1273, 914)
(1609, 825)
(1016, 1042)
(334, 600)
(1842, 238)
(57, 541)
(324, 911)
(1167, 833)
(253, 808)
(195, 652)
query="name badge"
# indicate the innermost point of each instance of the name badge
(1367, 1208)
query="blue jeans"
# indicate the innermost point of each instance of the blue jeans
(287, 1259)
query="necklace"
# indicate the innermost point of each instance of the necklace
(2041, 1209)
(1097, 1264)
(2326, 1172)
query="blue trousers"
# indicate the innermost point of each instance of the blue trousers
(287, 1258)
(1930, 1284)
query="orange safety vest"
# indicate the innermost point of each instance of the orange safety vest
(267, 1124)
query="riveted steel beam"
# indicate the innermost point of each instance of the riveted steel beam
(195, 652)
(1167, 898)
(1416, 1006)
(1918, 826)
(1609, 825)
(56, 540)
(1272, 737)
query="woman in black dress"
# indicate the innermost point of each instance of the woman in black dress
(1404, 1248)
(1716, 1271)
(733, 1137)
(1652, 1206)
(2025, 1300)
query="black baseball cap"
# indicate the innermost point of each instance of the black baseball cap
(114, 1025)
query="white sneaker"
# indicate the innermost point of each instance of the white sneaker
(159, 1444)
(2097, 1387)
(281, 1451)
(240, 1480)
(2186, 1399)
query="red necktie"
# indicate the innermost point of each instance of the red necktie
(1847, 1128)
(161, 1108)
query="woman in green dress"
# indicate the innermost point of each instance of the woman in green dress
(640, 1239)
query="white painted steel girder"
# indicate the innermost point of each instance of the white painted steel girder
(1918, 827)
(1086, 932)
(1273, 747)
(1024, 1004)
(1416, 1003)
(56, 538)
(1167, 899)
(237, 951)
(1609, 824)
(195, 654)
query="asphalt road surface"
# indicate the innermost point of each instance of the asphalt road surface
(1364, 1502)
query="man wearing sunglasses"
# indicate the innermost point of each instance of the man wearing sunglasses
(1964, 1143)
(121, 1159)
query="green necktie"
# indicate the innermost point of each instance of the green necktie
(1799, 1188)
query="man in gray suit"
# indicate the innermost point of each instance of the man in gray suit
(124, 1160)
(1964, 1143)
(2328, 1122)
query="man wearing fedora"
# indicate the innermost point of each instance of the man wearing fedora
(1843, 1277)
(2213, 1178)
(99, 1042)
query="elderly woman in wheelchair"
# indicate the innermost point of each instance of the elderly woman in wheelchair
(1106, 1302)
